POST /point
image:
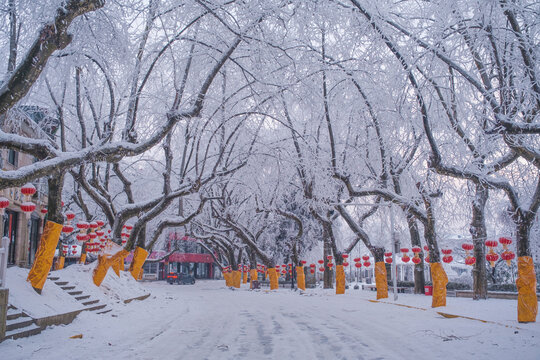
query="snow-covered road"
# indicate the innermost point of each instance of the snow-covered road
(209, 321)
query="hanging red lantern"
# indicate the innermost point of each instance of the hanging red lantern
(70, 215)
(129, 227)
(367, 263)
(345, 264)
(470, 260)
(345, 256)
(365, 257)
(4, 203)
(329, 257)
(311, 270)
(388, 254)
(388, 260)
(330, 265)
(303, 262)
(492, 257)
(311, 265)
(508, 256)
(43, 211)
(491, 243)
(404, 250)
(447, 259)
(358, 265)
(426, 248)
(321, 269)
(28, 190)
(426, 259)
(28, 208)
(321, 262)
(446, 251)
(405, 258)
(67, 229)
(82, 237)
(100, 233)
(416, 260)
(100, 223)
(357, 259)
(416, 249)
(92, 235)
(505, 241)
(82, 225)
(277, 267)
(467, 247)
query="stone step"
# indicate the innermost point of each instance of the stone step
(73, 293)
(104, 311)
(67, 287)
(23, 332)
(13, 313)
(18, 323)
(94, 308)
(61, 283)
(53, 278)
(82, 297)
(90, 302)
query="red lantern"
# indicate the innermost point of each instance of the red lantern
(303, 262)
(321, 262)
(345, 264)
(358, 265)
(365, 257)
(28, 190)
(447, 259)
(329, 257)
(388, 260)
(492, 257)
(505, 241)
(330, 265)
(415, 260)
(92, 235)
(388, 254)
(82, 225)
(4, 203)
(28, 207)
(357, 259)
(43, 211)
(82, 237)
(508, 256)
(404, 250)
(426, 259)
(467, 247)
(67, 229)
(367, 263)
(321, 269)
(277, 267)
(405, 258)
(312, 271)
(470, 260)
(345, 256)
(311, 265)
(426, 248)
(70, 215)
(491, 243)
(416, 249)
(100, 223)
(446, 251)
(128, 227)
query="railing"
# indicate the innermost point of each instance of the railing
(4, 251)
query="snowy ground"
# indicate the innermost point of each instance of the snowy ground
(210, 321)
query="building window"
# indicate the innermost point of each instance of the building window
(12, 157)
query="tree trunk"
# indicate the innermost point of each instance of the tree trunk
(54, 204)
(419, 279)
(479, 235)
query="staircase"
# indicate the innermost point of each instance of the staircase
(88, 303)
(19, 324)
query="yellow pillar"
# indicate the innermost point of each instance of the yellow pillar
(244, 278)
(237, 278)
(82, 260)
(526, 284)
(103, 264)
(60, 263)
(439, 285)
(139, 257)
(44, 255)
(300, 278)
(340, 280)
(381, 281)
(272, 273)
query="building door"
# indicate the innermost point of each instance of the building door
(34, 239)
(10, 230)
